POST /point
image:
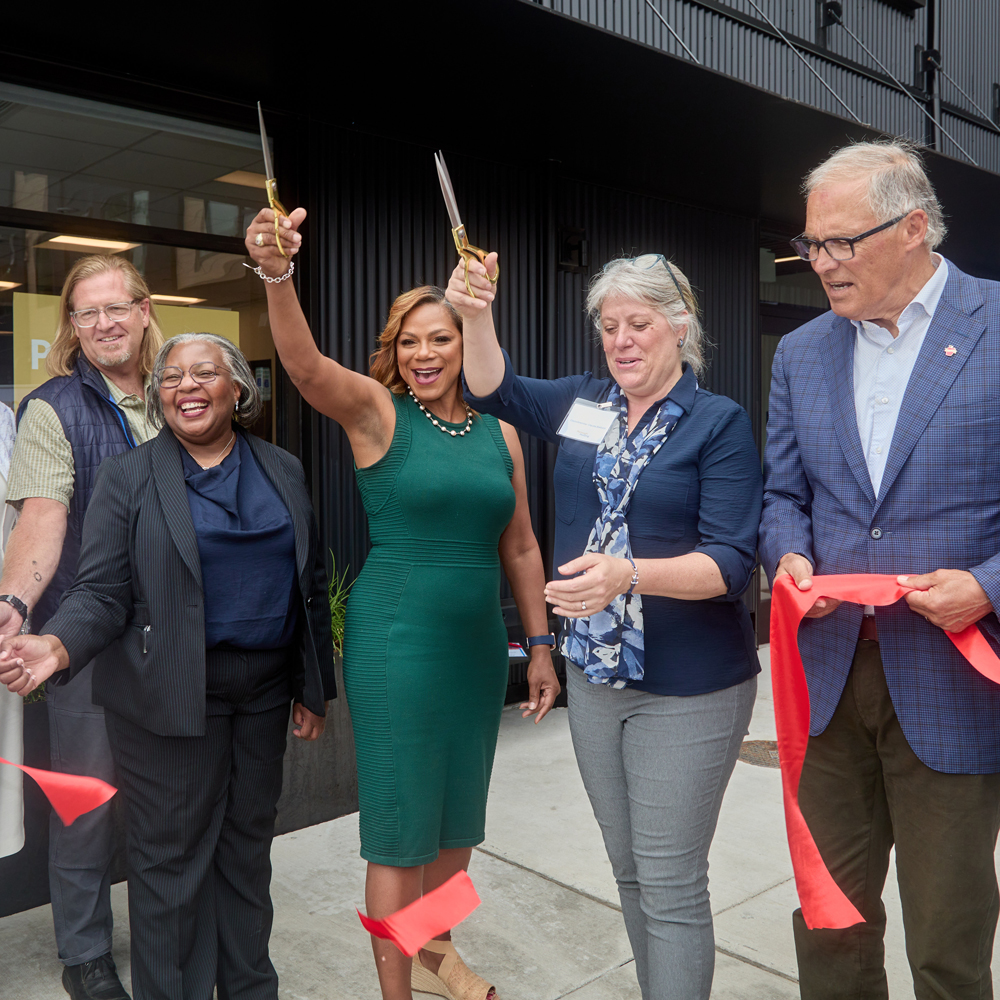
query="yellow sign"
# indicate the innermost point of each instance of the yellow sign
(36, 319)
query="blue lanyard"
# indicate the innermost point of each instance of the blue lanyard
(121, 420)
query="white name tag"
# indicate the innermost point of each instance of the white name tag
(587, 421)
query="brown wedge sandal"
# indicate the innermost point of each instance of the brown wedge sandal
(454, 979)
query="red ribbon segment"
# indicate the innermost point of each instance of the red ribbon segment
(71, 795)
(823, 903)
(410, 928)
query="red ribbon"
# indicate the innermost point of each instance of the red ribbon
(823, 903)
(71, 795)
(410, 928)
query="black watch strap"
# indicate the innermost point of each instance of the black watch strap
(19, 606)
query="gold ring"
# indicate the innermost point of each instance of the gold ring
(259, 239)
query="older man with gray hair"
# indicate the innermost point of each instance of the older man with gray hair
(883, 456)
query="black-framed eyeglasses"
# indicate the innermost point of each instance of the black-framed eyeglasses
(171, 376)
(838, 247)
(117, 312)
(647, 260)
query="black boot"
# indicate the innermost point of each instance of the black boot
(94, 980)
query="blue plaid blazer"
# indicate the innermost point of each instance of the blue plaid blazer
(939, 509)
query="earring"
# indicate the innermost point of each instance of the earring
(680, 343)
(237, 404)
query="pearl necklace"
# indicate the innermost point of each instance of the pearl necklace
(445, 430)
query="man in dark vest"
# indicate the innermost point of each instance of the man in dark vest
(93, 407)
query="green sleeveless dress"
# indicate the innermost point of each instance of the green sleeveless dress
(425, 647)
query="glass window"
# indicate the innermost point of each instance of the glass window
(76, 157)
(65, 157)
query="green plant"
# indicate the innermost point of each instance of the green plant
(338, 591)
(37, 695)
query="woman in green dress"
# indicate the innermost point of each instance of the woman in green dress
(425, 648)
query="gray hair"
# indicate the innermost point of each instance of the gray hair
(251, 403)
(621, 278)
(897, 182)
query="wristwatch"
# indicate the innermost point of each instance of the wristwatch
(21, 608)
(542, 640)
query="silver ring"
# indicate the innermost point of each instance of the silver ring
(583, 605)
(259, 239)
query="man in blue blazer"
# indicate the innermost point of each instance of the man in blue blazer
(883, 456)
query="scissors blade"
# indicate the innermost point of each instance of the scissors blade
(447, 190)
(268, 165)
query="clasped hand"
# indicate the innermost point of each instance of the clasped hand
(27, 661)
(266, 254)
(602, 578)
(457, 294)
(952, 599)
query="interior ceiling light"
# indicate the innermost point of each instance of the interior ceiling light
(785, 260)
(245, 178)
(175, 300)
(89, 243)
(6, 286)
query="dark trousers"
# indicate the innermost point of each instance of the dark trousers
(80, 855)
(200, 814)
(862, 791)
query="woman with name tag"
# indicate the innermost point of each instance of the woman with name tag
(425, 647)
(657, 498)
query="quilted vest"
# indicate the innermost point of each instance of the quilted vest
(96, 428)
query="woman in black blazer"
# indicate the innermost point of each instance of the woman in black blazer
(202, 594)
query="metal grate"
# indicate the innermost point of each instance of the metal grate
(763, 753)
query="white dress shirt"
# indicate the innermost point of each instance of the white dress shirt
(882, 368)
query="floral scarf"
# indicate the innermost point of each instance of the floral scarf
(609, 644)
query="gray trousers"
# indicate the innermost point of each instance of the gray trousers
(80, 855)
(656, 768)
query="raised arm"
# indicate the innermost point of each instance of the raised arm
(482, 360)
(362, 406)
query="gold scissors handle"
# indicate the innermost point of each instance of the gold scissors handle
(467, 252)
(278, 209)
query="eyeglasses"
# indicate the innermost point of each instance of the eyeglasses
(203, 373)
(840, 247)
(647, 260)
(116, 312)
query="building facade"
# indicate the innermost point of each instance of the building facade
(575, 131)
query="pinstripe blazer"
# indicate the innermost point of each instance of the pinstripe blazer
(137, 604)
(939, 508)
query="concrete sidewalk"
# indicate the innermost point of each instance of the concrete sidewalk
(549, 926)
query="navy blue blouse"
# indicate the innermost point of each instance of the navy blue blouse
(701, 492)
(247, 547)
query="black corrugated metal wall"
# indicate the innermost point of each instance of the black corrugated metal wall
(380, 227)
(744, 47)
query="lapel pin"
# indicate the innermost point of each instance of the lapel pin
(951, 350)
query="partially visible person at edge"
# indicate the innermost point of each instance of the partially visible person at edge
(883, 456)
(425, 647)
(92, 408)
(11, 731)
(201, 594)
(657, 510)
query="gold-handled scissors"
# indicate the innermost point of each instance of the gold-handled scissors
(465, 249)
(272, 184)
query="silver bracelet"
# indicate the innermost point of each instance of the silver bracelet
(268, 278)
(635, 576)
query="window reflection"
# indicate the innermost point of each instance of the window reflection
(71, 156)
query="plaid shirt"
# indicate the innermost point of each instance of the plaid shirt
(938, 508)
